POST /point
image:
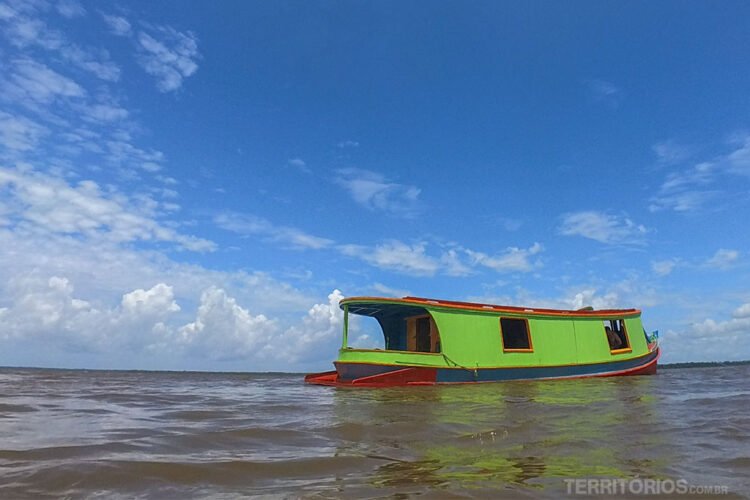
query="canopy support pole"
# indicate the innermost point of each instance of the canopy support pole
(345, 340)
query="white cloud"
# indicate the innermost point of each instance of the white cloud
(70, 8)
(375, 192)
(149, 321)
(605, 92)
(742, 312)
(118, 25)
(396, 256)
(299, 164)
(120, 152)
(685, 201)
(95, 61)
(669, 152)
(223, 329)
(348, 144)
(590, 297)
(389, 291)
(105, 113)
(510, 224)
(685, 190)
(171, 58)
(55, 206)
(18, 133)
(40, 83)
(602, 227)
(24, 30)
(52, 314)
(691, 188)
(512, 260)
(723, 259)
(711, 340)
(739, 159)
(317, 336)
(246, 224)
(414, 259)
(451, 264)
(663, 267)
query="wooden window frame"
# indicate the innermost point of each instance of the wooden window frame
(621, 350)
(528, 334)
(434, 339)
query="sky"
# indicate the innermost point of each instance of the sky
(195, 186)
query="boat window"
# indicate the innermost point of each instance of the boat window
(422, 334)
(617, 336)
(515, 335)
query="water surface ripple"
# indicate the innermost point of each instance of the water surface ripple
(92, 434)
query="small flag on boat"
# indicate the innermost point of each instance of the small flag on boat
(654, 337)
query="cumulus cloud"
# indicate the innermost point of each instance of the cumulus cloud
(319, 332)
(742, 311)
(602, 227)
(590, 297)
(169, 55)
(51, 312)
(375, 192)
(149, 321)
(711, 340)
(223, 328)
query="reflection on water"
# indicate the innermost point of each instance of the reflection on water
(516, 434)
(130, 434)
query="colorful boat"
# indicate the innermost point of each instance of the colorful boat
(445, 342)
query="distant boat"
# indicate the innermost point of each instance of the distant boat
(443, 342)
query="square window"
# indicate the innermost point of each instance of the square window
(515, 335)
(617, 336)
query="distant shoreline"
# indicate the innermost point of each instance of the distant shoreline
(704, 364)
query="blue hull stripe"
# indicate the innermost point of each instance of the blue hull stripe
(495, 374)
(351, 371)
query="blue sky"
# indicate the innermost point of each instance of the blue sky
(195, 186)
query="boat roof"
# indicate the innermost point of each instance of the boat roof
(373, 306)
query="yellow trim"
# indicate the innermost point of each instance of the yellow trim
(485, 367)
(621, 351)
(528, 334)
(350, 349)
